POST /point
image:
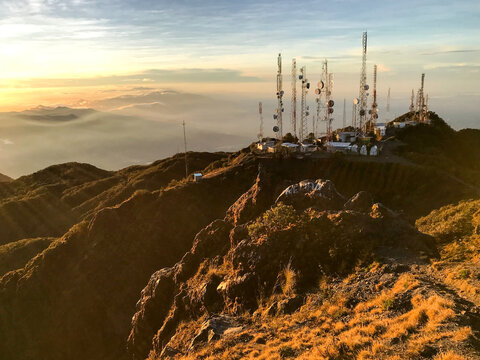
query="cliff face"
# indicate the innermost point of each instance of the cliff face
(76, 298)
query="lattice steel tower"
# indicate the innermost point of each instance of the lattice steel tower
(293, 116)
(374, 110)
(260, 115)
(303, 133)
(279, 110)
(362, 108)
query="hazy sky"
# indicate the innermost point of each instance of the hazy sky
(78, 52)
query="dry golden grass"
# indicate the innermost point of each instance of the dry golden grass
(331, 330)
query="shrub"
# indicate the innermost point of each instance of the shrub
(275, 219)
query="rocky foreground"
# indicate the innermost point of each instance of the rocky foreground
(315, 276)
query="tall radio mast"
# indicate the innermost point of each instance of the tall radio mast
(373, 111)
(344, 114)
(185, 146)
(304, 110)
(260, 113)
(388, 101)
(279, 110)
(294, 98)
(363, 84)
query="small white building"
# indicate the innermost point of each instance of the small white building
(264, 145)
(336, 146)
(197, 177)
(374, 150)
(354, 149)
(363, 150)
(380, 129)
(307, 148)
(291, 146)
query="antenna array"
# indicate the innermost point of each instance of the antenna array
(363, 84)
(303, 134)
(293, 117)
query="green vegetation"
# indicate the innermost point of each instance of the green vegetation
(275, 219)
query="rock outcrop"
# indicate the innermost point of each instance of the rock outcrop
(310, 230)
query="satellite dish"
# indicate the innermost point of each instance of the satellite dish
(321, 85)
(356, 101)
(331, 103)
(370, 111)
(366, 87)
(330, 110)
(275, 116)
(276, 129)
(362, 112)
(308, 85)
(300, 77)
(307, 113)
(317, 91)
(282, 92)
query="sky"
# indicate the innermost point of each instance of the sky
(80, 52)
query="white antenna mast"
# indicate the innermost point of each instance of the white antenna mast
(363, 84)
(260, 113)
(185, 145)
(304, 108)
(294, 98)
(279, 110)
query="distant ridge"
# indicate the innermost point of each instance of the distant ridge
(5, 178)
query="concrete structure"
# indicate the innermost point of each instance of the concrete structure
(374, 150)
(380, 129)
(334, 146)
(291, 147)
(197, 177)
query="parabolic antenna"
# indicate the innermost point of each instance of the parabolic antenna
(367, 87)
(356, 101)
(321, 85)
(317, 91)
(275, 129)
(331, 103)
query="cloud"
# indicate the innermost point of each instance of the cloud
(451, 52)
(6, 141)
(149, 76)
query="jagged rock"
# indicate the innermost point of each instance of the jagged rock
(361, 201)
(212, 329)
(381, 211)
(240, 290)
(256, 200)
(320, 194)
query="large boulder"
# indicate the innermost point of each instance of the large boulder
(362, 201)
(320, 194)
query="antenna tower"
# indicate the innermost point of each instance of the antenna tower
(427, 114)
(260, 113)
(388, 101)
(421, 101)
(294, 98)
(304, 109)
(362, 112)
(374, 111)
(412, 99)
(185, 146)
(279, 110)
(344, 114)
